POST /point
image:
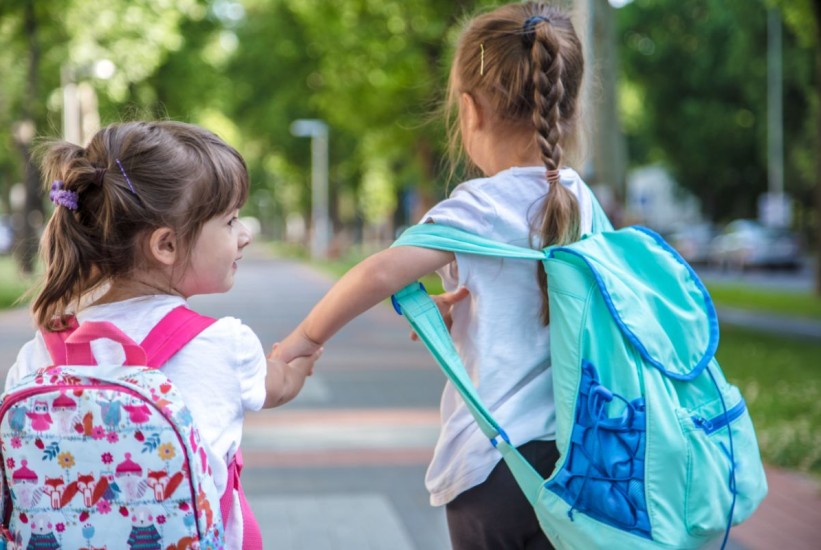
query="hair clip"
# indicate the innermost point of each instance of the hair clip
(63, 197)
(482, 66)
(128, 181)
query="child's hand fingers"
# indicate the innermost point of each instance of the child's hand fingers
(445, 303)
(306, 362)
(274, 349)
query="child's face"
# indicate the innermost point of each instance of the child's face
(214, 256)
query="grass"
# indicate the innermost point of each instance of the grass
(12, 283)
(781, 382)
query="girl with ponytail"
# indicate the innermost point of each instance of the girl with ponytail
(144, 217)
(513, 110)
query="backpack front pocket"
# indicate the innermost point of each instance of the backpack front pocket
(721, 446)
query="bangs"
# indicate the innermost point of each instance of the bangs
(219, 182)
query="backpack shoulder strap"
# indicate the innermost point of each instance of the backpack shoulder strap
(56, 341)
(172, 333)
(421, 312)
(600, 222)
(443, 237)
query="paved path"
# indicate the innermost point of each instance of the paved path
(342, 466)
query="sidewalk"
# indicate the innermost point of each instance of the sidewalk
(789, 517)
(796, 327)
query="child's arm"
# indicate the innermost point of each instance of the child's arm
(285, 380)
(361, 288)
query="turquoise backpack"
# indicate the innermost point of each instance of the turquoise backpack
(657, 449)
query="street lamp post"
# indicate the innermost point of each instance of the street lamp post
(317, 130)
(79, 101)
(776, 211)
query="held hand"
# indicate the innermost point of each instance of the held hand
(445, 303)
(305, 364)
(302, 363)
(296, 344)
(285, 380)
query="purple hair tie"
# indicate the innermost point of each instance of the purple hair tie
(62, 197)
(128, 181)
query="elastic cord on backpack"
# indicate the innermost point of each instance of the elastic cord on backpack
(596, 408)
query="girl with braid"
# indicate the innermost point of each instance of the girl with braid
(513, 93)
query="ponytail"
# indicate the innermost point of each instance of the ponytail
(525, 61)
(558, 218)
(67, 251)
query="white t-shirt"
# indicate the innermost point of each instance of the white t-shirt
(497, 330)
(220, 373)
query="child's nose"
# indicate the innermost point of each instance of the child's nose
(244, 235)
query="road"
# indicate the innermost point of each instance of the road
(800, 280)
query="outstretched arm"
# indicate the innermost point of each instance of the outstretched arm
(365, 285)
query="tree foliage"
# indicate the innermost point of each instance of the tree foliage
(696, 98)
(694, 88)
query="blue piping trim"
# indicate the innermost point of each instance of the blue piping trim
(714, 424)
(503, 435)
(732, 461)
(712, 346)
(712, 316)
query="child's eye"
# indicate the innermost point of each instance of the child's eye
(231, 222)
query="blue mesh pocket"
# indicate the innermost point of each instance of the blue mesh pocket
(603, 474)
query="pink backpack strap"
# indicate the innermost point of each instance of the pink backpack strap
(251, 534)
(56, 341)
(172, 333)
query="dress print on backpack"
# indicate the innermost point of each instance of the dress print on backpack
(40, 417)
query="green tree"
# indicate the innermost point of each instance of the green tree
(374, 70)
(136, 37)
(695, 94)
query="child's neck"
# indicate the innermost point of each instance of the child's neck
(126, 289)
(500, 153)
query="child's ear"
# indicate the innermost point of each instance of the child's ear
(162, 245)
(471, 112)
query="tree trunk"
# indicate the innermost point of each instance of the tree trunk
(818, 153)
(606, 156)
(33, 208)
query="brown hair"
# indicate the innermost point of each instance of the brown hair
(524, 62)
(173, 175)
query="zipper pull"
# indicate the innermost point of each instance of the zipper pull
(703, 423)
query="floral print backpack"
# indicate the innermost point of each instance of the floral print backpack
(106, 456)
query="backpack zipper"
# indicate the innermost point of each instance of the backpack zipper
(713, 424)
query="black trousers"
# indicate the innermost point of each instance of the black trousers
(495, 515)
